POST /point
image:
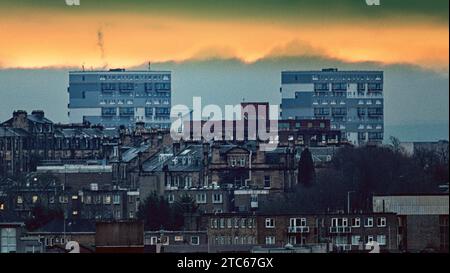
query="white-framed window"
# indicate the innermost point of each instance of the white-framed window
(217, 198)
(178, 238)
(368, 222)
(116, 199)
(369, 239)
(381, 221)
(201, 198)
(236, 222)
(222, 223)
(243, 222)
(242, 161)
(8, 240)
(270, 240)
(297, 222)
(270, 223)
(153, 240)
(213, 223)
(188, 182)
(356, 222)
(195, 240)
(229, 222)
(355, 240)
(381, 240)
(171, 198)
(334, 222)
(344, 222)
(250, 222)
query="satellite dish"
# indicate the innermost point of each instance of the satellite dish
(289, 246)
(73, 247)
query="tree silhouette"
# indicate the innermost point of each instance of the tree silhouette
(306, 171)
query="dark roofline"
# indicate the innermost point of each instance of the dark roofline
(338, 71)
(413, 194)
(120, 71)
(294, 214)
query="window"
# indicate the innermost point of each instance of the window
(116, 199)
(344, 222)
(334, 222)
(243, 223)
(250, 223)
(270, 223)
(270, 240)
(8, 240)
(107, 199)
(126, 111)
(19, 199)
(381, 240)
(214, 223)
(109, 111)
(217, 198)
(171, 198)
(222, 222)
(195, 240)
(369, 239)
(201, 198)
(381, 221)
(368, 222)
(267, 181)
(355, 240)
(229, 223)
(63, 199)
(87, 199)
(297, 222)
(356, 222)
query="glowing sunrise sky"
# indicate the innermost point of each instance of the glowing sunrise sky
(117, 33)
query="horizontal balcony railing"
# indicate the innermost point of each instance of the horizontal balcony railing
(339, 230)
(304, 229)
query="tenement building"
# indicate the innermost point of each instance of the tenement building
(118, 97)
(352, 100)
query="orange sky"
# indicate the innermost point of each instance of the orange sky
(49, 39)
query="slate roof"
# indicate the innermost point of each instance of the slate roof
(133, 152)
(57, 226)
(12, 132)
(9, 217)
